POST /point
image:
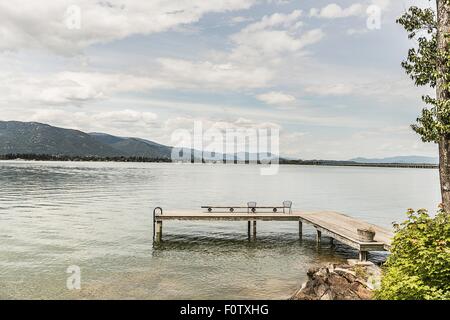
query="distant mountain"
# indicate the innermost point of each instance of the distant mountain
(42, 139)
(38, 138)
(134, 147)
(400, 159)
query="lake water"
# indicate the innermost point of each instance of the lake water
(98, 216)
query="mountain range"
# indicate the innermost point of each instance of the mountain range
(43, 139)
(38, 138)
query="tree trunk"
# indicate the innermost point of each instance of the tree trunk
(444, 171)
(443, 18)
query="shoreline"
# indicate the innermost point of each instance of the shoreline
(323, 163)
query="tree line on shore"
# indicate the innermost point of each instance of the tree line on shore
(48, 157)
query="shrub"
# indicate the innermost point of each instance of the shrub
(419, 265)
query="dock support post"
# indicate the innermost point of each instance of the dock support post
(319, 236)
(254, 230)
(332, 242)
(158, 231)
(300, 230)
(363, 256)
(249, 228)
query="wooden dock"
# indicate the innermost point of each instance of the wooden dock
(337, 226)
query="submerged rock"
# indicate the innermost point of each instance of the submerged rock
(351, 281)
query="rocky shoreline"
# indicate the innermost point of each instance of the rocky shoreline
(352, 281)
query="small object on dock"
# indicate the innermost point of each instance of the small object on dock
(287, 205)
(366, 234)
(252, 206)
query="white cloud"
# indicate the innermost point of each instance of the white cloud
(380, 87)
(126, 116)
(275, 97)
(127, 122)
(80, 88)
(275, 20)
(43, 24)
(248, 64)
(335, 89)
(207, 74)
(333, 11)
(271, 37)
(71, 88)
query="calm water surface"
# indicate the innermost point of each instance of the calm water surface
(98, 216)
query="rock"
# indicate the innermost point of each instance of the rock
(327, 296)
(339, 282)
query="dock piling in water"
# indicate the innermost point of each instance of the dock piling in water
(158, 236)
(300, 229)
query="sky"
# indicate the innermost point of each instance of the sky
(327, 73)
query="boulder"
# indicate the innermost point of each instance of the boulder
(338, 282)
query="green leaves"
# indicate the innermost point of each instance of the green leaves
(435, 122)
(419, 264)
(426, 65)
(417, 19)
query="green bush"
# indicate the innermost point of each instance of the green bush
(419, 265)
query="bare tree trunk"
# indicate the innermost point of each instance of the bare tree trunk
(443, 16)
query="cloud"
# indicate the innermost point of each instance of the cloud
(125, 122)
(72, 88)
(44, 24)
(207, 74)
(126, 116)
(251, 62)
(330, 89)
(247, 64)
(379, 86)
(274, 20)
(333, 11)
(271, 37)
(275, 97)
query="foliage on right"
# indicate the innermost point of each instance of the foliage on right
(419, 265)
